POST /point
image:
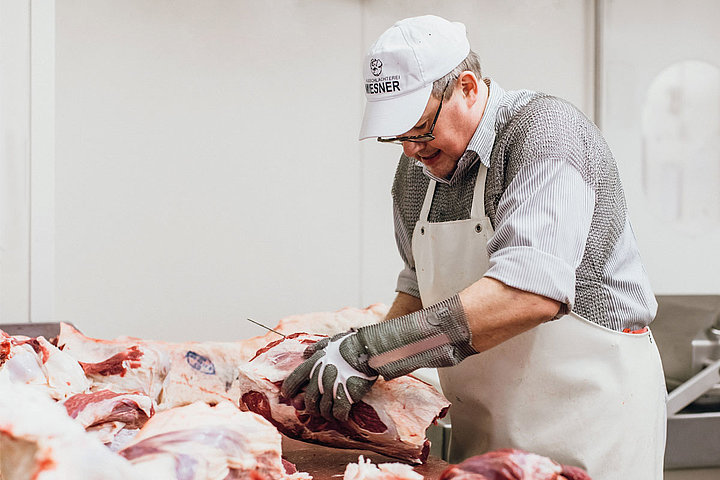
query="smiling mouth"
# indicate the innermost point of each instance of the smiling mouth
(429, 158)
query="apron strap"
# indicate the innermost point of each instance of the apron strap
(427, 203)
(478, 206)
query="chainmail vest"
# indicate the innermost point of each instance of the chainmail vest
(516, 146)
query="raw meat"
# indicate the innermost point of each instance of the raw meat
(104, 413)
(173, 374)
(198, 442)
(391, 419)
(511, 464)
(127, 365)
(36, 362)
(366, 470)
(39, 441)
(176, 374)
(204, 371)
(321, 323)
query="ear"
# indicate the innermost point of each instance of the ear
(469, 87)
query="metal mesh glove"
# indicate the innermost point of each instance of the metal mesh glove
(341, 369)
(437, 336)
(338, 376)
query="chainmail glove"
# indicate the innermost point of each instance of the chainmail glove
(337, 375)
(342, 369)
(437, 336)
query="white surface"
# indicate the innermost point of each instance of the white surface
(681, 146)
(42, 163)
(643, 39)
(204, 170)
(206, 166)
(14, 161)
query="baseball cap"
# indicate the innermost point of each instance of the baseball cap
(400, 69)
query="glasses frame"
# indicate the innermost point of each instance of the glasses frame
(422, 138)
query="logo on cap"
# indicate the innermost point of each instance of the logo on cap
(376, 67)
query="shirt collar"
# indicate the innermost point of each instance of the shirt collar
(482, 141)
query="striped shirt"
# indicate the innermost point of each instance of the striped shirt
(555, 201)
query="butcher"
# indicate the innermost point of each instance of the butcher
(522, 283)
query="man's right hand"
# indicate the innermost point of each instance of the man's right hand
(337, 375)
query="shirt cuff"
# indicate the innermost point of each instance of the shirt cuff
(535, 271)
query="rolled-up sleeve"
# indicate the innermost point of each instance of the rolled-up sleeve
(541, 228)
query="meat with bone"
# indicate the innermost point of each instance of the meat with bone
(391, 419)
(511, 464)
(36, 362)
(104, 413)
(39, 441)
(198, 442)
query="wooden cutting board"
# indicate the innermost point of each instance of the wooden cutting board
(326, 463)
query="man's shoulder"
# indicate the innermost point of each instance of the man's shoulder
(544, 116)
(550, 108)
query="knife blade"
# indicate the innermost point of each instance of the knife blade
(265, 327)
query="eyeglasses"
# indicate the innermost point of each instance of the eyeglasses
(425, 137)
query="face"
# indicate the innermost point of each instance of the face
(453, 131)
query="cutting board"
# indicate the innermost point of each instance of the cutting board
(326, 463)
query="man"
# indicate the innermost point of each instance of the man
(511, 220)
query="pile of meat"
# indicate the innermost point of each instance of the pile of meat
(149, 409)
(80, 407)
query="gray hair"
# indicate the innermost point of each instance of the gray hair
(471, 63)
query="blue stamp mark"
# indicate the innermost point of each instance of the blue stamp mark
(200, 363)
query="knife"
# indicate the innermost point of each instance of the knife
(265, 327)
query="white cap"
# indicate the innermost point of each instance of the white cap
(400, 69)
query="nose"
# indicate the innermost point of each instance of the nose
(411, 148)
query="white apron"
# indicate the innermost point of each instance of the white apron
(569, 389)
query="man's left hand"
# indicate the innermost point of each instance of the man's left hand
(337, 374)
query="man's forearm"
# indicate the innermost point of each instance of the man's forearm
(497, 312)
(404, 304)
(483, 315)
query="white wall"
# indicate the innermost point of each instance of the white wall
(206, 166)
(643, 39)
(14, 161)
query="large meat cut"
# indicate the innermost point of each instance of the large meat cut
(391, 419)
(39, 441)
(198, 442)
(105, 414)
(127, 365)
(511, 464)
(172, 374)
(38, 363)
(176, 374)
(204, 372)
(321, 323)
